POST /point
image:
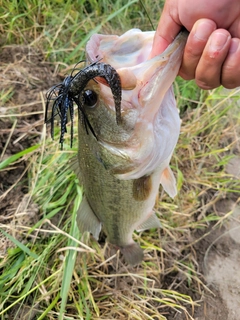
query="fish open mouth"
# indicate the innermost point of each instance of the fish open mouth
(148, 105)
(144, 80)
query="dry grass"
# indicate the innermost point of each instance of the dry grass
(47, 270)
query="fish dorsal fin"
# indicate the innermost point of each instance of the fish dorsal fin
(168, 182)
(87, 220)
(150, 223)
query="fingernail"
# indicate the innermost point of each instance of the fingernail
(202, 30)
(233, 46)
(218, 41)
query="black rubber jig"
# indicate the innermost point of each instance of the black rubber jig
(70, 90)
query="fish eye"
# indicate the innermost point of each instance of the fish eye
(90, 98)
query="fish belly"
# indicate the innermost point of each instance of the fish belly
(121, 206)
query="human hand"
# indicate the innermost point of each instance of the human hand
(212, 52)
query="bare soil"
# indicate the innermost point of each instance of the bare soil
(28, 76)
(219, 257)
(25, 74)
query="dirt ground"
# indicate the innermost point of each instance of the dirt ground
(26, 76)
(220, 259)
(25, 73)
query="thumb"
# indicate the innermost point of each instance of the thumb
(166, 32)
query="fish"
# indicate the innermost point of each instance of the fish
(122, 169)
(124, 155)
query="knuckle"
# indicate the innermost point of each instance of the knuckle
(186, 75)
(230, 83)
(230, 74)
(206, 85)
(192, 51)
(208, 76)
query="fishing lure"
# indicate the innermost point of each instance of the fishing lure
(71, 90)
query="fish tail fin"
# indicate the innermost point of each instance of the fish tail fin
(133, 253)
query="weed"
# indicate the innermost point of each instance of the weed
(46, 269)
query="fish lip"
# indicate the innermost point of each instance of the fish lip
(94, 51)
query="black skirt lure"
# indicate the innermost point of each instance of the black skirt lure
(71, 90)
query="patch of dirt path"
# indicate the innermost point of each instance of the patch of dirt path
(220, 260)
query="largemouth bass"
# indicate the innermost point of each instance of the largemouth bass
(124, 157)
(121, 170)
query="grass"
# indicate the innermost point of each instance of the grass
(63, 28)
(48, 269)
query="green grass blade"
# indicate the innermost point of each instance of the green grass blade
(17, 156)
(20, 245)
(50, 307)
(71, 256)
(52, 276)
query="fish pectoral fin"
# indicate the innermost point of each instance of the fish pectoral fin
(74, 165)
(133, 253)
(150, 223)
(87, 220)
(168, 182)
